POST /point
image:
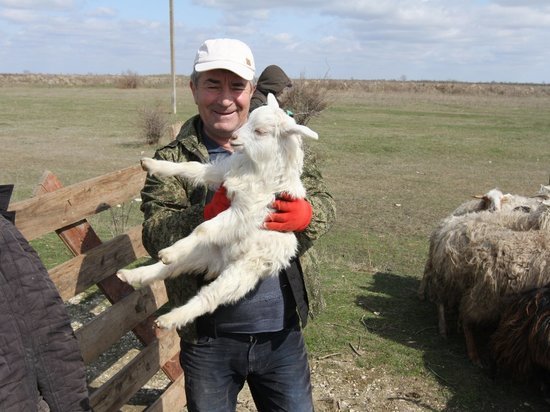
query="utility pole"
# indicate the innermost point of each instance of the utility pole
(172, 62)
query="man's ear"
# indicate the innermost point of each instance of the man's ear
(193, 91)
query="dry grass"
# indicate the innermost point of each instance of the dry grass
(352, 86)
(129, 80)
(153, 123)
(306, 99)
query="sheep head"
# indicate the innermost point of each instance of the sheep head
(493, 199)
(544, 194)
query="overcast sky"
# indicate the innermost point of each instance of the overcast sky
(469, 40)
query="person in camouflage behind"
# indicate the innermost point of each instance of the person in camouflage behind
(215, 349)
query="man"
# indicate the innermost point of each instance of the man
(258, 339)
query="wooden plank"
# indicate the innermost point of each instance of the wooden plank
(79, 273)
(120, 388)
(62, 207)
(80, 238)
(103, 331)
(171, 399)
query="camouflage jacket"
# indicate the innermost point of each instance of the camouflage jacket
(172, 208)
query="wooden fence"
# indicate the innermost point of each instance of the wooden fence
(64, 210)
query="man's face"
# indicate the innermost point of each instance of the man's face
(223, 100)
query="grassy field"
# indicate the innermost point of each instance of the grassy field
(396, 162)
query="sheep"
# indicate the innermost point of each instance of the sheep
(475, 259)
(492, 201)
(502, 262)
(495, 201)
(520, 346)
(233, 249)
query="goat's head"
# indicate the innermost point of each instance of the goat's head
(270, 133)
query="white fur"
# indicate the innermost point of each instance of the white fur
(233, 248)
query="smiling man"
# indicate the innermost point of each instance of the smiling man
(258, 339)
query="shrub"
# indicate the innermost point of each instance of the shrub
(129, 80)
(153, 123)
(306, 99)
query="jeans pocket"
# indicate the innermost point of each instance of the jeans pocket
(204, 340)
(201, 341)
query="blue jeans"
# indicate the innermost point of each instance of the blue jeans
(274, 364)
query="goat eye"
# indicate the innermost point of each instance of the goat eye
(260, 131)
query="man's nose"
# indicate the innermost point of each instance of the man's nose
(226, 96)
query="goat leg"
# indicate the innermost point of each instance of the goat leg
(471, 346)
(231, 285)
(196, 172)
(145, 275)
(442, 322)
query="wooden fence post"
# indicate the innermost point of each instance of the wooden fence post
(80, 237)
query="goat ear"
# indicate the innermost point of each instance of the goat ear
(304, 131)
(272, 101)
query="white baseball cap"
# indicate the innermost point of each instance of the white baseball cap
(228, 54)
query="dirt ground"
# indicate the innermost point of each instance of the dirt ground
(338, 383)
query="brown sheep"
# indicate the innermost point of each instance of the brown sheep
(503, 262)
(521, 344)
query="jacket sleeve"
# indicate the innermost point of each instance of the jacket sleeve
(39, 353)
(171, 207)
(323, 205)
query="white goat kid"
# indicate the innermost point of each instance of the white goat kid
(233, 248)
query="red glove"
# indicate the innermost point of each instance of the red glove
(291, 215)
(218, 204)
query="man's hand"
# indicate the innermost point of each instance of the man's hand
(218, 204)
(291, 215)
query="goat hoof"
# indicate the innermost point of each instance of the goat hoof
(166, 257)
(162, 323)
(122, 275)
(146, 163)
(130, 278)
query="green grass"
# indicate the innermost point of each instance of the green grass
(396, 163)
(395, 170)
